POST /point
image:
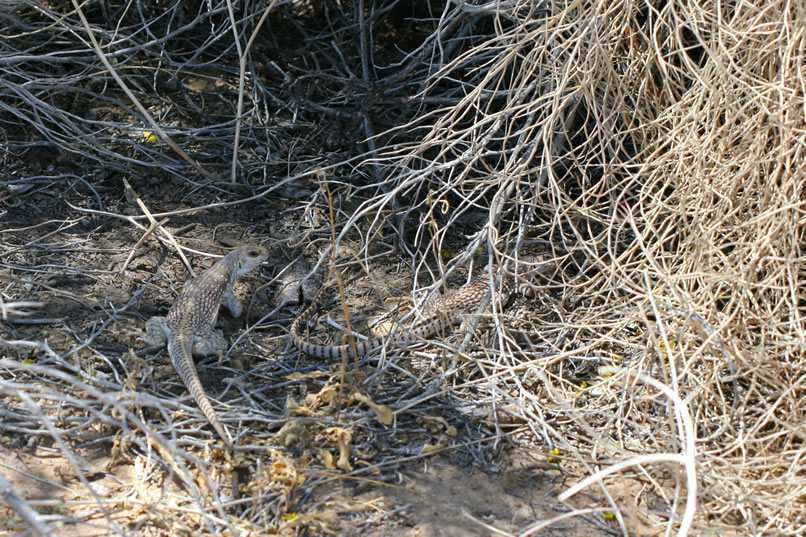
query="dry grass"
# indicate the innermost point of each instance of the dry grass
(658, 150)
(665, 148)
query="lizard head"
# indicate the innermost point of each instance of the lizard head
(528, 267)
(247, 258)
(535, 264)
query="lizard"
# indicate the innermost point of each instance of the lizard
(189, 327)
(466, 300)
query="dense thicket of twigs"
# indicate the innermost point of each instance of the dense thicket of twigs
(656, 148)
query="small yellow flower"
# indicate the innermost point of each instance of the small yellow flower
(289, 516)
(149, 137)
(553, 454)
(672, 345)
(609, 515)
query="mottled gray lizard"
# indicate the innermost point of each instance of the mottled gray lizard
(467, 300)
(189, 327)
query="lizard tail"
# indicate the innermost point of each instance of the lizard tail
(421, 330)
(327, 352)
(179, 349)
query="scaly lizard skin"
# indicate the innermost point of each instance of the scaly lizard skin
(467, 300)
(189, 327)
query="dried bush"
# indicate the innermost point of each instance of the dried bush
(655, 147)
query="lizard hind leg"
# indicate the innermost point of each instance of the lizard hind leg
(212, 343)
(156, 331)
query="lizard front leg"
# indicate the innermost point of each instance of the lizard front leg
(233, 304)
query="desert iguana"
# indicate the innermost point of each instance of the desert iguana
(467, 300)
(189, 327)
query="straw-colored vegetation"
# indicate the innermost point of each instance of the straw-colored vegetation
(656, 149)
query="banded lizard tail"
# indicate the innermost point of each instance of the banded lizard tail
(467, 300)
(189, 327)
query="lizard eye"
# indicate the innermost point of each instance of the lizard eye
(253, 253)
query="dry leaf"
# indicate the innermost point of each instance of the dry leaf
(343, 438)
(384, 414)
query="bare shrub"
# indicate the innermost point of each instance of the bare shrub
(655, 148)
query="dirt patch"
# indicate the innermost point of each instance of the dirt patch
(436, 497)
(442, 498)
